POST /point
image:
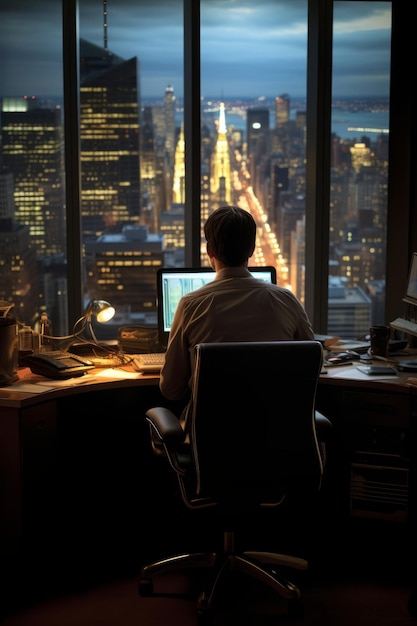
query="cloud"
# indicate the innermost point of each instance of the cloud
(348, 19)
(247, 48)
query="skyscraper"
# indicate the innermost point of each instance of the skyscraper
(282, 110)
(178, 185)
(220, 173)
(18, 283)
(169, 108)
(148, 171)
(109, 135)
(37, 172)
(118, 263)
(258, 139)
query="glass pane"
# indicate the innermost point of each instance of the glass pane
(32, 195)
(253, 86)
(359, 166)
(132, 153)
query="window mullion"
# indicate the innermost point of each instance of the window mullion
(319, 73)
(72, 157)
(192, 132)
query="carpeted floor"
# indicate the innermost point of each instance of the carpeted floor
(245, 604)
(364, 577)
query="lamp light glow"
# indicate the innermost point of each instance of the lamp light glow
(102, 310)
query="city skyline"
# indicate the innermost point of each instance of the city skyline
(153, 34)
(132, 209)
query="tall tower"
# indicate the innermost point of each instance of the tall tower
(178, 187)
(149, 213)
(37, 173)
(282, 110)
(109, 136)
(258, 140)
(220, 176)
(17, 258)
(169, 109)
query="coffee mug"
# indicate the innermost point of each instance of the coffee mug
(379, 340)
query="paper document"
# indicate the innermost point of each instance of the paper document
(354, 374)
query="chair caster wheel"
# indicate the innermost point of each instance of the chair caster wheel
(204, 617)
(145, 587)
(204, 612)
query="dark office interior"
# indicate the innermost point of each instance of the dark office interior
(109, 504)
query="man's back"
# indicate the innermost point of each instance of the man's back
(233, 307)
(237, 307)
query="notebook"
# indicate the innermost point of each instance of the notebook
(173, 283)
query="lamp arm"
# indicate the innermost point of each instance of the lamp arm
(92, 333)
(81, 322)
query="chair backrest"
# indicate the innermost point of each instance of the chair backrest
(252, 430)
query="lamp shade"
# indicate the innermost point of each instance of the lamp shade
(102, 310)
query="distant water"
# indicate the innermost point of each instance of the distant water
(350, 125)
(355, 124)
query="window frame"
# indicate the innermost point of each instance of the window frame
(402, 194)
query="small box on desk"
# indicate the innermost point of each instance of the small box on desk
(89, 348)
(139, 339)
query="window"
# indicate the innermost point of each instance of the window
(359, 167)
(32, 174)
(253, 86)
(139, 172)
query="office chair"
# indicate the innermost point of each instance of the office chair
(250, 444)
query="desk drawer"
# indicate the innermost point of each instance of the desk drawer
(38, 425)
(378, 443)
(379, 486)
(376, 408)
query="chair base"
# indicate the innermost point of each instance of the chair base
(262, 566)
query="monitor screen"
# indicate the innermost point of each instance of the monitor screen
(411, 292)
(173, 283)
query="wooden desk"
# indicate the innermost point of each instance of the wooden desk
(374, 427)
(78, 478)
(74, 471)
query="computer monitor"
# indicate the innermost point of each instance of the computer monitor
(173, 283)
(411, 291)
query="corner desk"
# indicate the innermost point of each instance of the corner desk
(78, 476)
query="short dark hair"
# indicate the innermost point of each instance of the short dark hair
(231, 232)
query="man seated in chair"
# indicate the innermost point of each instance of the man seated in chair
(235, 306)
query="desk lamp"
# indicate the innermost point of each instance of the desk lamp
(103, 312)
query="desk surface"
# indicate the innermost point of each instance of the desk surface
(348, 376)
(32, 389)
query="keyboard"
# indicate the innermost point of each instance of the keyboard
(151, 362)
(405, 326)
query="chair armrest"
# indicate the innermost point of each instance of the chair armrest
(323, 426)
(167, 436)
(166, 425)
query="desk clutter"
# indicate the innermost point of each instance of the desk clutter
(139, 339)
(9, 344)
(61, 365)
(360, 353)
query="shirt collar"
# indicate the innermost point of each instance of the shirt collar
(233, 272)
